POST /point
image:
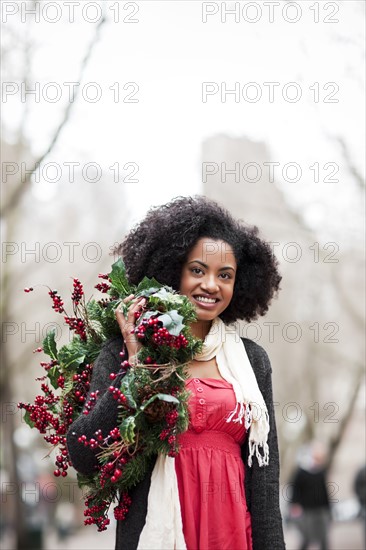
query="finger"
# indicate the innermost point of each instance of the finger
(130, 320)
(128, 298)
(127, 328)
(119, 309)
(137, 304)
(119, 314)
(121, 319)
(141, 300)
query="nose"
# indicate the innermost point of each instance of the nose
(209, 284)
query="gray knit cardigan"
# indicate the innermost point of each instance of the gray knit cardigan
(261, 483)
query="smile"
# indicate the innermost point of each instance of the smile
(205, 300)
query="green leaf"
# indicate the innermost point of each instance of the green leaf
(28, 420)
(150, 285)
(53, 374)
(127, 429)
(162, 397)
(172, 321)
(70, 359)
(162, 293)
(147, 293)
(146, 315)
(119, 279)
(126, 389)
(49, 344)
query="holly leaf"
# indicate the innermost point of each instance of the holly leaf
(119, 279)
(147, 286)
(70, 359)
(162, 397)
(27, 419)
(147, 293)
(126, 389)
(127, 429)
(146, 315)
(172, 321)
(162, 293)
(49, 344)
(167, 294)
(53, 374)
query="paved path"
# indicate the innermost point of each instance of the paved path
(343, 536)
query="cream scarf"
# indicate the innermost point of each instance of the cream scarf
(163, 527)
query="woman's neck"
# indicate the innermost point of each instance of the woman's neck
(200, 329)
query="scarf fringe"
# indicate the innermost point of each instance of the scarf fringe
(258, 440)
(241, 411)
(263, 460)
(260, 428)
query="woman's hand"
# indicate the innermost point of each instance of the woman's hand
(128, 325)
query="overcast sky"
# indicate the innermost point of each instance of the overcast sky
(168, 53)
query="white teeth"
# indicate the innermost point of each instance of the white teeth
(207, 300)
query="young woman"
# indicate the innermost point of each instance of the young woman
(223, 490)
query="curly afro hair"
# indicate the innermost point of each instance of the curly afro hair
(158, 247)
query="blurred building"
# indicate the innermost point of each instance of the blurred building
(314, 331)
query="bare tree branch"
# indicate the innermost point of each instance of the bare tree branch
(350, 163)
(22, 185)
(337, 439)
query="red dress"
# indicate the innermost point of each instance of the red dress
(210, 471)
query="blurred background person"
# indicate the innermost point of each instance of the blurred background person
(360, 490)
(310, 499)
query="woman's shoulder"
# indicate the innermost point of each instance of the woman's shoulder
(257, 356)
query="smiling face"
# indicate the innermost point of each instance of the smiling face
(208, 277)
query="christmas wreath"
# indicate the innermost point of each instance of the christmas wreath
(151, 394)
